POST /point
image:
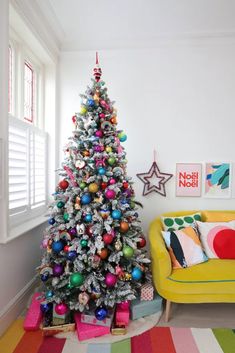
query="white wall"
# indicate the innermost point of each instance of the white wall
(178, 98)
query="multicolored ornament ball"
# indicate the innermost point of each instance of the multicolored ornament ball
(63, 184)
(116, 214)
(136, 274)
(124, 227)
(61, 309)
(51, 221)
(57, 246)
(58, 270)
(60, 204)
(110, 194)
(101, 171)
(128, 252)
(86, 199)
(93, 187)
(104, 213)
(101, 313)
(76, 279)
(110, 279)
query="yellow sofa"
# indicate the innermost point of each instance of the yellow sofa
(209, 282)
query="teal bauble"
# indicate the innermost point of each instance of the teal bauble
(136, 274)
(83, 243)
(66, 217)
(76, 279)
(60, 204)
(116, 214)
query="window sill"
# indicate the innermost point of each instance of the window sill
(24, 228)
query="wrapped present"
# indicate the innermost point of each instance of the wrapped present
(86, 331)
(118, 330)
(147, 292)
(141, 308)
(53, 330)
(58, 319)
(88, 317)
(122, 314)
(33, 317)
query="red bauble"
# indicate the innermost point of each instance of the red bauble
(63, 184)
(103, 253)
(89, 231)
(141, 243)
(107, 238)
(104, 185)
(66, 248)
(74, 119)
(125, 185)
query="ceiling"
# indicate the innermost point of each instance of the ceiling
(110, 24)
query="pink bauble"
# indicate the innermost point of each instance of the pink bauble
(110, 194)
(97, 148)
(110, 280)
(98, 133)
(112, 181)
(102, 115)
(61, 308)
(103, 103)
(44, 243)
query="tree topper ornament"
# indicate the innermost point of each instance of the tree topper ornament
(154, 180)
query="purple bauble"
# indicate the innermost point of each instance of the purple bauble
(97, 148)
(110, 280)
(58, 270)
(110, 194)
(98, 133)
(44, 243)
(61, 308)
(72, 232)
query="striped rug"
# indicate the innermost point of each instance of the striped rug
(156, 340)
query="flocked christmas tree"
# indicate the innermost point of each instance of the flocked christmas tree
(94, 256)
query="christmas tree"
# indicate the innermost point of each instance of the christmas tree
(94, 254)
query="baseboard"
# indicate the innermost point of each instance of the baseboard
(16, 305)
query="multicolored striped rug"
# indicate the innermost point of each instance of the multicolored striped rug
(156, 340)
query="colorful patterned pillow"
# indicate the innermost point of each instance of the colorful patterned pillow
(184, 247)
(175, 223)
(218, 239)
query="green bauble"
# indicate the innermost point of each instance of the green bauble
(76, 279)
(83, 243)
(111, 160)
(60, 204)
(82, 185)
(127, 251)
(66, 217)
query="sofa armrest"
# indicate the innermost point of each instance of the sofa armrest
(161, 261)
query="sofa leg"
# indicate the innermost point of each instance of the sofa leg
(167, 312)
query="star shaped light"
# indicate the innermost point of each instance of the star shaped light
(154, 180)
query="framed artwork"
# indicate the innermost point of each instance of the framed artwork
(188, 179)
(218, 178)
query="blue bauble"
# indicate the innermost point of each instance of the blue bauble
(57, 246)
(101, 171)
(85, 199)
(51, 221)
(45, 307)
(116, 214)
(44, 276)
(88, 218)
(71, 255)
(49, 294)
(90, 102)
(101, 313)
(123, 138)
(136, 274)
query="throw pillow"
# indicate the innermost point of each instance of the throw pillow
(175, 223)
(184, 247)
(218, 239)
(219, 216)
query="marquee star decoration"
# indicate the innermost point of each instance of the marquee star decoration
(154, 180)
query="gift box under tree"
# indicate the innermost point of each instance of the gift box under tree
(141, 308)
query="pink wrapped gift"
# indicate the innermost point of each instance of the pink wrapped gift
(34, 315)
(122, 316)
(86, 331)
(147, 292)
(124, 305)
(89, 318)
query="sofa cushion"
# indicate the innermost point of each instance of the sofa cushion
(175, 223)
(219, 216)
(218, 239)
(184, 247)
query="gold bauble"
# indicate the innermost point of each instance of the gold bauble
(93, 187)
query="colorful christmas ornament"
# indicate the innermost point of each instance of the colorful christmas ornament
(71, 255)
(88, 217)
(60, 204)
(124, 226)
(118, 245)
(82, 185)
(93, 187)
(84, 243)
(51, 221)
(112, 181)
(73, 232)
(83, 298)
(86, 199)
(83, 110)
(104, 213)
(63, 184)
(99, 133)
(90, 102)
(57, 246)
(101, 171)
(108, 149)
(103, 185)
(66, 248)
(49, 294)
(74, 119)
(110, 280)
(66, 217)
(112, 161)
(116, 214)
(141, 243)
(128, 252)
(122, 136)
(101, 313)
(61, 309)
(45, 307)
(58, 270)
(45, 276)
(76, 279)
(107, 238)
(110, 194)
(125, 185)
(103, 253)
(86, 153)
(97, 70)
(80, 164)
(136, 274)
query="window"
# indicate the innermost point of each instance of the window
(27, 139)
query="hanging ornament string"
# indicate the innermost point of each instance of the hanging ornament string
(154, 180)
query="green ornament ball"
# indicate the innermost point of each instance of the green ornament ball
(111, 160)
(82, 185)
(83, 243)
(127, 251)
(60, 204)
(66, 217)
(76, 279)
